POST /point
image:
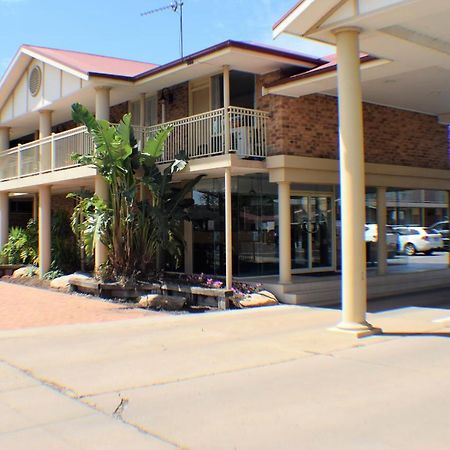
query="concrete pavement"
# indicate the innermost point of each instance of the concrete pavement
(271, 378)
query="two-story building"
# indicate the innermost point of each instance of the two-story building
(261, 123)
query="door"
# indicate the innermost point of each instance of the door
(312, 232)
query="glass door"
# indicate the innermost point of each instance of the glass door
(312, 231)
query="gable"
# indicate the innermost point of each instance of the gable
(54, 85)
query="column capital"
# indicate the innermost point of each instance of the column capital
(102, 88)
(347, 29)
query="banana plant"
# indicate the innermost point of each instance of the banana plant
(136, 233)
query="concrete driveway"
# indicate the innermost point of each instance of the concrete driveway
(271, 378)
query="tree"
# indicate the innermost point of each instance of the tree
(136, 233)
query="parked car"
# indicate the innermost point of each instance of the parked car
(371, 235)
(412, 240)
(443, 229)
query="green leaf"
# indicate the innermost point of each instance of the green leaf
(155, 145)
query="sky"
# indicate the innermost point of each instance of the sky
(116, 28)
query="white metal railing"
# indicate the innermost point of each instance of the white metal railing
(45, 155)
(204, 134)
(197, 136)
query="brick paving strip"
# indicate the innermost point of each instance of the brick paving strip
(27, 307)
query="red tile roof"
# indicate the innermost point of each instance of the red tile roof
(88, 63)
(330, 66)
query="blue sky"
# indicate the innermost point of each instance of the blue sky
(115, 27)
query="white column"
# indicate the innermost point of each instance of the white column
(102, 103)
(351, 162)
(45, 123)
(228, 231)
(45, 129)
(226, 105)
(188, 249)
(142, 110)
(101, 251)
(381, 226)
(101, 187)
(4, 138)
(4, 218)
(163, 111)
(284, 232)
(45, 257)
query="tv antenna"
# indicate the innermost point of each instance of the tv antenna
(177, 7)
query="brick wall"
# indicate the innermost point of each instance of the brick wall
(116, 112)
(179, 107)
(308, 126)
(60, 201)
(64, 126)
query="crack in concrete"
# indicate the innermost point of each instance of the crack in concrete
(73, 396)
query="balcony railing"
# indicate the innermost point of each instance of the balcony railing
(204, 134)
(45, 155)
(198, 136)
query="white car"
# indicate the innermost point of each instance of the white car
(412, 240)
(371, 235)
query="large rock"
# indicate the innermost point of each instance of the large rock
(63, 283)
(162, 302)
(261, 298)
(27, 271)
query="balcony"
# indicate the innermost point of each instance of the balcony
(198, 136)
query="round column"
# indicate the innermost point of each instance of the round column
(228, 230)
(102, 105)
(45, 129)
(45, 257)
(4, 138)
(4, 218)
(351, 161)
(381, 231)
(45, 123)
(284, 232)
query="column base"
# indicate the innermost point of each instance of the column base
(356, 329)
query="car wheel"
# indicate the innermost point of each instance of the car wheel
(410, 250)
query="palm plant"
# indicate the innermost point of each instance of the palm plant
(136, 232)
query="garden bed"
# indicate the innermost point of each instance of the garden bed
(197, 296)
(8, 269)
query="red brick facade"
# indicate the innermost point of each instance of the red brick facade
(60, 201)
(308, 126)
(178, 107)
(116, 112)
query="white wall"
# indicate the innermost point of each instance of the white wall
(55, 84)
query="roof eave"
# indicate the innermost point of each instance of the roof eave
(277, 87)
(311, 11)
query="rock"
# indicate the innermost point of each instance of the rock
(63, 283)
(162, 302)
(27, 271)
(262, 298)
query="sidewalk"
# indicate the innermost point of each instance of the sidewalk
(24, 307)
(271, 378)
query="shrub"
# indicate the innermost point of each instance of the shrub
(22, 245)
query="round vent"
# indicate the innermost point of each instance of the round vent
(34, 82)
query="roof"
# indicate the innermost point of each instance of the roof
(287, 14)
(91, 64)
(329, 66)
(296, 57)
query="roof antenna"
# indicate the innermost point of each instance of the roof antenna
(177, 7)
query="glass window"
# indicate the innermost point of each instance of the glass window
(255, 228)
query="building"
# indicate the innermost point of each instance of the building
(261, 123)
